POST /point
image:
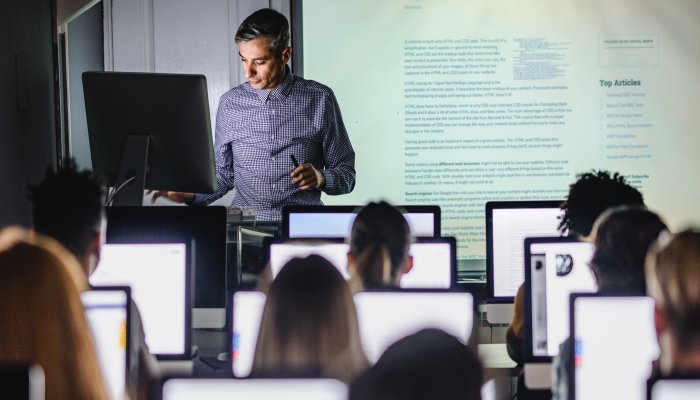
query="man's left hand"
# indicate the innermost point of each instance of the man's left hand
(306, 177)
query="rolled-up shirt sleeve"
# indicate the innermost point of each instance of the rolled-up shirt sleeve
(338, 152)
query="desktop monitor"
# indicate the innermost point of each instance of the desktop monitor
(434, 259)
(674, 387)
(246, 309)
(153, 128)
(555, 267)
(336, 221)
(254, 389)
(22, 382)
(508, 223)
(206, 227)
(386, 317)
(614, 344)
(108, 313)
(159, 277)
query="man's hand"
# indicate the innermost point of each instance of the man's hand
(306, 177)
(178, 197)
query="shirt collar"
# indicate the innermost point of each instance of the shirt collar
(281, 92)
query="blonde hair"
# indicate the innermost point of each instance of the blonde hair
(43, 319)
(309, 324)
(673, 280)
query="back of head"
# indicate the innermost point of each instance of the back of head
(309, 324)
(68, 206)
(380, 241)
(591, 194)
(622, 237)
(673, 280)
(268, 24)
(429, 364)
(43, 319)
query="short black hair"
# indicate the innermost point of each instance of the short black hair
(591, 194)
(265, 23)
(68, 206)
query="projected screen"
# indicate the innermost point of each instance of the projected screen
(456, 103)
(339, 224)
(557, 269)
(510, 224)
(157, 275)
(615, 344)
(107, 314)
(385, 317)
(254, 389)
(247, 314)
(433, 264)
(675, 389)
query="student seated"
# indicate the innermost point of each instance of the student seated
(673, 280)
(43, 320)
(427, 365)
(380, 241)
(309, 325)
(621, 237)
(77, 222)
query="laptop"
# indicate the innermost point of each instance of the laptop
(508, 223)
(108, 314)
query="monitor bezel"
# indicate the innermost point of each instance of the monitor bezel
(654, 379)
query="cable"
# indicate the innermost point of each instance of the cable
(116, 190)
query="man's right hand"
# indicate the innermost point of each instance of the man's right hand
(178, 197)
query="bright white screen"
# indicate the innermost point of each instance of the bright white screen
(254, 389)
(455, 102)
(510, 227)
(386, 317)
(615, 345)
(247, 314)
(432, 267)
(675, 389)
(156, 275)
(557, 289)
(339, 225)
(106, 313)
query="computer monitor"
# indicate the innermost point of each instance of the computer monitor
(152, 127)
(434, 259)
(159, 277)
(508, 223)
(386, 317)
(336, 221)
(206, 227)
(614, 344)
(254, 389)
(673, 387)
(107, 311)
(555, 267)
(22, 382)
(246, 309)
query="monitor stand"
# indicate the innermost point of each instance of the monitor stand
(132, 172)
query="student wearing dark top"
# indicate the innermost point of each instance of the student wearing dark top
(591, 194)
(621, 236)
(77, 222)
(673, 281)
(380, 241)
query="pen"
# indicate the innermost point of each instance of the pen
(294, 160)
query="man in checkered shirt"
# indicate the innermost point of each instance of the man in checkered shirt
(273, 118)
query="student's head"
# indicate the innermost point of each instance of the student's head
(429, 364)
(263, 44)
(309, 324)
(68, 206)
(591, 194)
(43, 320)
(380, 241)
(673, 280)
(622, 236)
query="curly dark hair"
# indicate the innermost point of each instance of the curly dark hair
(591, 194)
(68, 206)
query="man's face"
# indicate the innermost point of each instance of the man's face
(263, 69)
